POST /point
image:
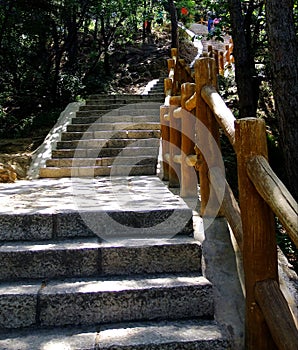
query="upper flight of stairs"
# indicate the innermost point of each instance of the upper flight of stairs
(110, 135)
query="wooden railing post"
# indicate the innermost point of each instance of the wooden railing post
(259, 244)
(175, 144)
(205, 74)
(165, 140)
(221, 64)
(215, 56)
(189, 180)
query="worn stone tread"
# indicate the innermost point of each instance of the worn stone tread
(165, 335)
(89, 301)
(113, 126)
(103, 161)
(92, 257)
(92, 171)
(130, 150)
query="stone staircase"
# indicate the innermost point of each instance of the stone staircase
(102, 263)
(110, 135)
(85, 293)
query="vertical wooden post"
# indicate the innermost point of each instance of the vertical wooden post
(175, 144)
(259, 244)
(171, 64)
(165, 140)
(227, 55)
(174, 52)
(167, 86)
(221, 63)
(210, 51)
(174, 55)
(189, 180)
(231, 45)
(205, 74)
(216, 60)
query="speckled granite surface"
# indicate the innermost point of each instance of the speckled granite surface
(108, 207)
(170, 335)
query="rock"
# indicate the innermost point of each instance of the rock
(19, 162)
(7, 173)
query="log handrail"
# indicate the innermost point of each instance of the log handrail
(273, 303)
(222, 113)
(275, 194)
(262, 195)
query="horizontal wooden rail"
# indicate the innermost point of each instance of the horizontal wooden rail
(275, 194)
(191, 103)
(223, 114)
(277, 314)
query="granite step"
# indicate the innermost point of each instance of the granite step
(110, 208)
(123, 101)
(101, 300)
(132, 119)
(109, 143)
(129, 151)
(113, 126)
(93, 171)
(110, 134)
(127, 97)
(119, 112)
(86, 257)
(158, 335)
(118, 105)
(104, 161)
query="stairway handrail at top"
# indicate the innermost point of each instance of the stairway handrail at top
(261, 193)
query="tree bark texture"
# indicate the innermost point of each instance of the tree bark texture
(171, 8)
(244, 63)
(284, 65)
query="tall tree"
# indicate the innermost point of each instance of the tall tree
(284, 67)
(245, 73)
(170, 7)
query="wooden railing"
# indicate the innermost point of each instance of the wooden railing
(190, 121)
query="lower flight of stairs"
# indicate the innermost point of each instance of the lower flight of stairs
(71, 291)
(110, 135)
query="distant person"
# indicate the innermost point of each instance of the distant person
(210, 22)
(216, 21)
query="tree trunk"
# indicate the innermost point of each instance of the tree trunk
(107, 67)
(245, 74)
(171, 8)
(284, 52)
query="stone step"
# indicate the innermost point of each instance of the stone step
(113, 126)
(110, 143)
(90, 301)
(86, 257)
(106, 161)
(137, 119)
(158, 335)
(93, 171)
(106, 207)
(129, 151)
(127, 97)
(110, 134)
(120, 112)
(123, 101)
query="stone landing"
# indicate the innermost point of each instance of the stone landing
(109, 207)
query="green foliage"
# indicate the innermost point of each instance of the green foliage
(52, 51)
